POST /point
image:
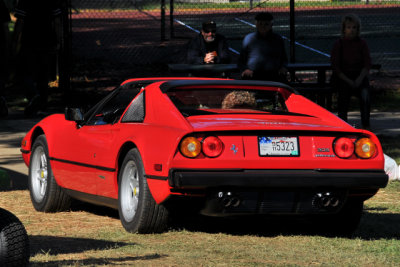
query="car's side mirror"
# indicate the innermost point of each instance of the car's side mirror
(74, 114)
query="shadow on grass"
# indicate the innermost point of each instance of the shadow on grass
(50, 245)
(96, 262)
(374, 223)
(53, 245)
(378, 226)
(372, 226)
(78, 205)
(12, 180)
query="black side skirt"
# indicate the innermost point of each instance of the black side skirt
(93, 199)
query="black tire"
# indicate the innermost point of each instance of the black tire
(45, 193)
(138, 211)
(345, 222)
(14, 242)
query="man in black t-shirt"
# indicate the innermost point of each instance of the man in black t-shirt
(36, 40)
(4, 20)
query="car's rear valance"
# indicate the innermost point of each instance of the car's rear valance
(167, 86)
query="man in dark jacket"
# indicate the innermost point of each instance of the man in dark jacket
(263, 55)
(208, 47)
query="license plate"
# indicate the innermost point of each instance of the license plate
(278, 146)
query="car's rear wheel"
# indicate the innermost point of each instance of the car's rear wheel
(45, 193)
(138, 211)
(14, 242)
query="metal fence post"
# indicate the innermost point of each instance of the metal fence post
(65, 53)
(171, 18)
(292, 33)
(163, 20)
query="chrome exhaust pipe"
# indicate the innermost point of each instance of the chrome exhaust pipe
(226, 202)
(235, 202)
(228, 199)
(325, 200)
(335, 202)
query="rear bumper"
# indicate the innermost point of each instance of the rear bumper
(197, 179)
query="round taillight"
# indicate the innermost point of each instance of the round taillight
(343, 147)
(212, 146)
(365, 148)
(190, 147)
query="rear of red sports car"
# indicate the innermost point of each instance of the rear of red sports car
(233, 147)
(267, 150)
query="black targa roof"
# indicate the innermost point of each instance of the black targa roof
(167, 86)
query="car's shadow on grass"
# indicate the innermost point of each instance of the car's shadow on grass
(372, 226)
(51, 245)
(94, 209)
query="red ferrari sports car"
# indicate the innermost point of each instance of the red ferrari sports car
(237, 147)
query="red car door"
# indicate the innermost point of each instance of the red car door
(101, 140)
(72, 158)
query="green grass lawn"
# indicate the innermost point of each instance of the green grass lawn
(86, 237)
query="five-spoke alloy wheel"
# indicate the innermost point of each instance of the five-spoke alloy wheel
(138, 211)
(45, 193)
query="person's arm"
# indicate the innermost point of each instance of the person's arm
(284, 60)
(364, 73)
(367, 65)
(336, 62)
(246, 72)
(223, 53)
(194, 55)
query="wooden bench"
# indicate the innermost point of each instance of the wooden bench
(319, 90)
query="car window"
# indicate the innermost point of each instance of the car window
(207, 101)
(111, 110)
(136, 110)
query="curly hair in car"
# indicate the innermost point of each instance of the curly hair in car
(239, 99)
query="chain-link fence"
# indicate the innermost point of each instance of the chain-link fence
(118, 39)
(112, 40)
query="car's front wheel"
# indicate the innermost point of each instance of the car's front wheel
(45, 193)
(14, 242)
(138, 211)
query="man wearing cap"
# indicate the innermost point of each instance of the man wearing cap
(263, 55)
(208, 47)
